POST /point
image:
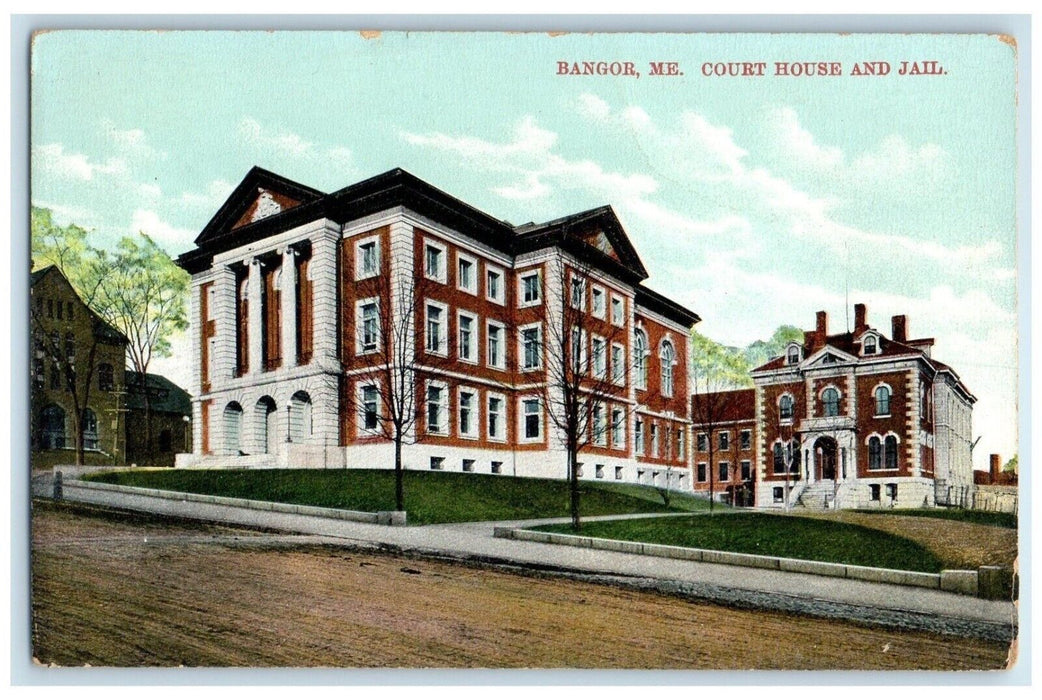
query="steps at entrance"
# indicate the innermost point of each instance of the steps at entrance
(818, 496)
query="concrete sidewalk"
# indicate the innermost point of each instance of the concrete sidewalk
(875, 603)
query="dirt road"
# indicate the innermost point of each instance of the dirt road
(143, 591)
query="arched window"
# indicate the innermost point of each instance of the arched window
(882, 401)
(300, 417)
(52, 428)
(90, 430)
(668, 356)
(830, 400)
(106, 377)
(233, 429)
(891, 452)
(640, 344)
(786, 407)
(870, 345)
(874, 453)
(794, 355)
(265, 416)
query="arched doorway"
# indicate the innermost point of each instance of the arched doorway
(825, 450)
(233, 429)
(266, 425)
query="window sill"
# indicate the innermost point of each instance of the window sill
(882, 415)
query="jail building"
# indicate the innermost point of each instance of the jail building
(306, 307)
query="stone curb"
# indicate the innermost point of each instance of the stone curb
(962, 582)
(384, 517)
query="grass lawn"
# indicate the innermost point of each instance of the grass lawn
(772, 535)
(980, 517)
(430, 497)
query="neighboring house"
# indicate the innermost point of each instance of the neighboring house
(995, 489)
(171, 428)
(725, 445)
(75, 356)
(860, 419)
(287, 286)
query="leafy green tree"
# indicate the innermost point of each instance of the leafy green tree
(720, 366)
(1011, 465)
(65, 247)
(761, 351)
(141, 292)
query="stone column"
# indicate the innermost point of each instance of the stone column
(325, 308)
(195, 325)
(222, 362)
(289, 307)
(256, 319)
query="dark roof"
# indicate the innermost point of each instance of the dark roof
(653, 301)
(164, 395)
(400, 188)
(724, 406)
(102, 329)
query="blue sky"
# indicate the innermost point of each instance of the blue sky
(754, 201)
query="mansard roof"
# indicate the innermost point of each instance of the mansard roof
(265, 204)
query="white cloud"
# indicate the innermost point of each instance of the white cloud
(216, 192)
(52, 159)
(173, 239)
(131, 142)
(285, 142)
(797, 142)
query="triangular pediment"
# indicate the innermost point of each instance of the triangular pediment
(260, 195)
(599, 240)
(826, 356)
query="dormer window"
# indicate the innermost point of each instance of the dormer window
(793, 357)
(870, 345)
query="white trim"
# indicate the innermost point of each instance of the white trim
(573, 280)
(475, 415)
(718, 434)
(799, 354)
(443, 408)
(640, 379)
(359, 273)
(596, 289)
(360, 409)
(501, 327)
(502, 433)
(501, 297)
(443, 329)
(360, 348)
(475, 336)
(667, 340)
(611, 308)
(889, 401)
(618, 369)
(601, 373)
(839, 401)
(618, 427)
(599, 428)
(538, 325)
(462, 257)
(522, 275)
(522, 419)
(441, 274)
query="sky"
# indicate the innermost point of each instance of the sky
(754, 201)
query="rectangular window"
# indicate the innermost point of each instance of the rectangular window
(598, 471)
(654, 439)
(496, 354)
(437, 463)
(779, 494)
(618, 428)
(724, 440)
(875, 491)
(680, 443)
(468, 426)
(533, 420)
(725, 471)
(747, 470)
(600, 426)
(702, 472)
(578, 296)
(531, 347)
(369, 329)
(703, 442)
(747, 439)
(597, 301)
(497, 467)
(618, 473)
(436, 395)
(496, 419)
(369, 407)
(531, 292)
(618, 312)
(494, 285)
(434, 262)
(638, 437)
(600, 358)
(466, 274)
(467, 326)
(891, 491)
(618, 364)
(367, 258)
(435, 329)
(468, 465)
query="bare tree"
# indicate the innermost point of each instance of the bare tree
(784, 451)
(581, 379)
(714, 407)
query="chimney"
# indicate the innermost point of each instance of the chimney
(899, 325)
(860, 313)
(995, 468)
(822, 331)
(809, 342)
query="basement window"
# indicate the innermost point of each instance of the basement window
(437, 463)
